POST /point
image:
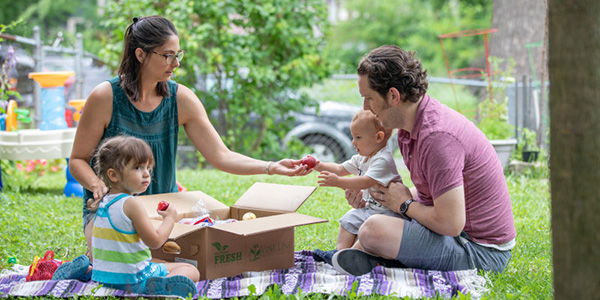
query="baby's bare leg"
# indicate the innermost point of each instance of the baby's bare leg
(345, 239)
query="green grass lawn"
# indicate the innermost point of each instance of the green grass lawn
(35, 216)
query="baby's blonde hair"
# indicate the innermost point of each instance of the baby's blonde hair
(116, 152)
(370, 117)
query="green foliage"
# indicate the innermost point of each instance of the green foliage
(529, 140)
(529, 274)
(11, 10)
(243, 59)
(413, 25)
(6, 70)
(52, 16)
(493, 112)
(494, 120)
(22, 176)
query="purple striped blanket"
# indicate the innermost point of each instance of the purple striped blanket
(307, 276)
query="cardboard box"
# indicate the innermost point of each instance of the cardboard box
(264, 243)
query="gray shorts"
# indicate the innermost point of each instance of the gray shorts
(424, 249)
(354, 218)
(88, 216)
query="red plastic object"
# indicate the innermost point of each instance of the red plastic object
(206, 220)
(180, 187)
(69, 117)
(476, 72)
(43, 268)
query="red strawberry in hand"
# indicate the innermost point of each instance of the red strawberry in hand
(309, 161)
(163, 205)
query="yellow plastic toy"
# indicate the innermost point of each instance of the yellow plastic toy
(78, 104)
(13, 114)
(51, 79)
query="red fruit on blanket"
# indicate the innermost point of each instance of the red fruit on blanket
(163, 205)
(309, 161)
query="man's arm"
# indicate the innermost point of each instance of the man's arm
(446, 216)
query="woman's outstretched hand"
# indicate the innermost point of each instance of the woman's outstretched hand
(289, 167)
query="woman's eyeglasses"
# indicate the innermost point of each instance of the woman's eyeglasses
(170, 58)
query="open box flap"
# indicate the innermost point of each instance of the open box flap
(274, 197)
(260, 225)
(184, 202)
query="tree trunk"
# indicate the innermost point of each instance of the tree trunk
(574, 65)
(519, 23)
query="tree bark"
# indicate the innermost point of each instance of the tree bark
(519, 23)
(574, 66)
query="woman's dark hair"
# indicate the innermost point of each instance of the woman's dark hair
(390, 66)
(146, 33)
(116, 152)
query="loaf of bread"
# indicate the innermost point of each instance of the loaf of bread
(171, 247)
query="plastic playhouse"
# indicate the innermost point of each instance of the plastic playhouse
(53, 139)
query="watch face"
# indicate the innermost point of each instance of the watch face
(404, 206)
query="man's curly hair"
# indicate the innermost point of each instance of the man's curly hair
(390, 66)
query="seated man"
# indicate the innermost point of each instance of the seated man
(459, 214)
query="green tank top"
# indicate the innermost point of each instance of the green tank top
(159, 128)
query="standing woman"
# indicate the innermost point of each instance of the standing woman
(144, 102)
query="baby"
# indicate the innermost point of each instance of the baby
(373, 164)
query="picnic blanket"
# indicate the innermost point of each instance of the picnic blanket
(307, 276)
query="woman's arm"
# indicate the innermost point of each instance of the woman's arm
(205, 138)
(94, 119)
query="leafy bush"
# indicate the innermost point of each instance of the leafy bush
(413, 25)
(244, 59)
(21, 176)
(493, 112)
(6, 68)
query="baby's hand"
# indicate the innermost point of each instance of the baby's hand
(328, 179)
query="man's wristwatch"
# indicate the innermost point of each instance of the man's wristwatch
(404, 208)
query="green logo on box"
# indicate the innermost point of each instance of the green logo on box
(255, 253)
(222, 256)
(220, 247)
